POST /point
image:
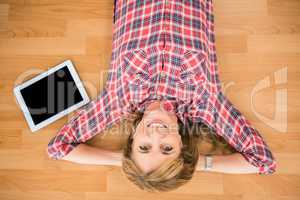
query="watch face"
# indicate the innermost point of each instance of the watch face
(208, 162)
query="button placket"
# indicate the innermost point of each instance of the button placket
(168, 4)
(166, 25)
(163, 74)
(163, 58)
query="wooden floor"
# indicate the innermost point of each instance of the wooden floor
(256, 40)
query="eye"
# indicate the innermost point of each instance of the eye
(144, 148)
(167, 149)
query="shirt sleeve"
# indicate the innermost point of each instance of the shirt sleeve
(220, 114)
(90, 120)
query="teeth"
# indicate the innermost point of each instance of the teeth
(158, 124)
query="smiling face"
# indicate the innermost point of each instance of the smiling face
(156, 139)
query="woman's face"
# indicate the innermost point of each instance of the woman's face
(156, 139)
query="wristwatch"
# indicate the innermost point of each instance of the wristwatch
(208, 162)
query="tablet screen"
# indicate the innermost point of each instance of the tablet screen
(51, 95)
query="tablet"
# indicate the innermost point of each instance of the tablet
(51, 95)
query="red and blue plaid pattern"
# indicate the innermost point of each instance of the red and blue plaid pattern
(165, 49)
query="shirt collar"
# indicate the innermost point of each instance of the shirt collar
(169, 104)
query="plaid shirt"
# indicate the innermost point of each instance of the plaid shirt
(164, 50)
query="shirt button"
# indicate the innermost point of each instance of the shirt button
(163, 74)
(167, 4)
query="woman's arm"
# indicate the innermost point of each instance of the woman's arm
(85, 154)
(90, 120)
(228, 122)
(232, 164)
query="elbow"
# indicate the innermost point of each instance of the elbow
(59, 151)
(53, 152)
(263, 165)
(54, 155)
(268, 169)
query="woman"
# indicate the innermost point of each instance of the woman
(163, 68)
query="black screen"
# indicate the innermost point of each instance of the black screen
(51, 95)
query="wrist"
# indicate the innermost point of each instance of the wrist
(116, 159)
(208, 162)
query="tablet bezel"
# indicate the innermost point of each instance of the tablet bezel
(21, 102)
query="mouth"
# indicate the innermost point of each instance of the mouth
(157, 122)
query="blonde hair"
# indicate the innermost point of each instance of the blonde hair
(170, 175)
